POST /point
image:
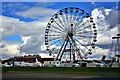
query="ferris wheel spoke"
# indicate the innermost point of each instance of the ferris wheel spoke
(68, 22)
(79, 14)
(59, 43)
(80, 50)
(70, 19)
(54, 35)
(81, 43)
(78, 22)
(82, 39)
(61, 22)
(84, 27)
(77, 27)
(55, 42)
(79, 53)
(72, 24)
(79, 18)
(57, 47)
(83, 36)
(84, 32)
(63, 19)
(54, 31)
(59, 25)
(57, 28)
(54, 38)
(75, 17)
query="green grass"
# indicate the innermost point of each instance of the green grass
(100, 72)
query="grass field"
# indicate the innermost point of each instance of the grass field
(100, 72)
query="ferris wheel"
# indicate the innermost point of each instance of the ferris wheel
(71, 31)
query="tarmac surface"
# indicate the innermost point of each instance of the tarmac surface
(36, 76)
(42, 75)
(46, 76)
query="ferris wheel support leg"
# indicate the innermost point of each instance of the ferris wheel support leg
(76, 48)
(59, 56)
(63, 49)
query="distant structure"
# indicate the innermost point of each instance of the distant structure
(116, 44)
(116, 39)
(29, 58)
(116, 47)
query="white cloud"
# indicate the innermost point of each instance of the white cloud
(11, 25)
(33, 45)
(98, 52)
(105, 18)
(24, 39)
(34, 29)
(12, 49)
(9, 50)
(106, 36)
(107, 24)
(15, 26)
(37, 12)
(101, 51)
(106, 21)
(13, 6)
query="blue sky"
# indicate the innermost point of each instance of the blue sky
(9, 9)
(19, 21)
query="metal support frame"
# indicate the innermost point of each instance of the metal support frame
(117, 47)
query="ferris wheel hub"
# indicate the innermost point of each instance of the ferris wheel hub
(70, 34)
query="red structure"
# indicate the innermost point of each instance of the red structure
(32, 59)
(29, 58)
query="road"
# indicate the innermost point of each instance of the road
(33, 76)
(52, 76)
